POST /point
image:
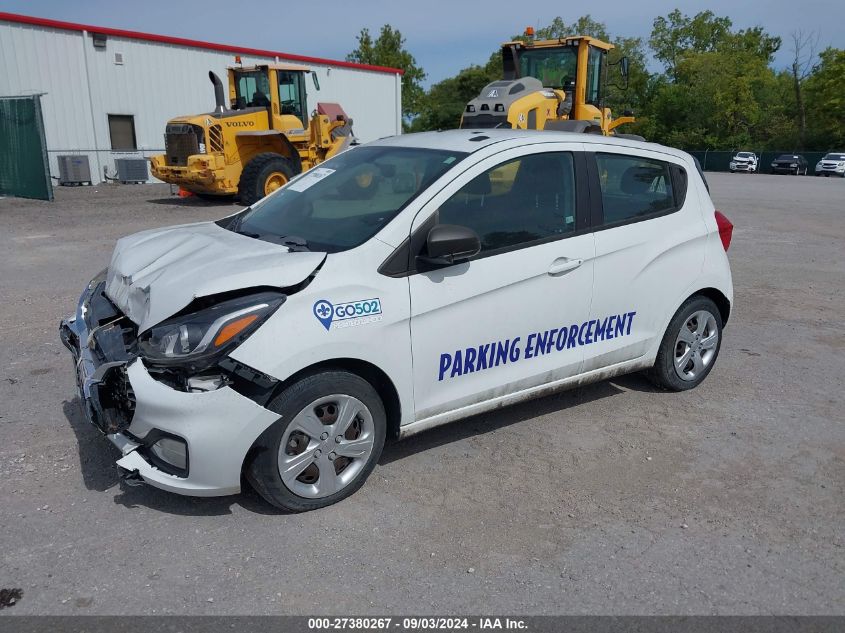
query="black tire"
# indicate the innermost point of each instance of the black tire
(258, 170)
(262, 471)
(663, 373)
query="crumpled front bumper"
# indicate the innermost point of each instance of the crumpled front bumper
(218, 427)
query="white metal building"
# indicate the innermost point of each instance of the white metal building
(101, 83)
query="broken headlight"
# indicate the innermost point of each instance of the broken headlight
(197, 339)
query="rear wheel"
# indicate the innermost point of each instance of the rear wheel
(263, 175)
(689, 347)
(325, 444)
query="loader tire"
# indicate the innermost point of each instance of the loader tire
(262, 176)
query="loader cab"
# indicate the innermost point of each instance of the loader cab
(576, 65)
(278, 87)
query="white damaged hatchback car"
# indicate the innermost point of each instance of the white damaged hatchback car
(403, 284)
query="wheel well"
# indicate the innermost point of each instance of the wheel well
(721, 301)
(369, 372)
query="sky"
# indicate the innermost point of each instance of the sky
(444, 36)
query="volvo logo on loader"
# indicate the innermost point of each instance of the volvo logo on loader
(240, 123)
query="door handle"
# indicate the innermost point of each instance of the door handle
(564, 264)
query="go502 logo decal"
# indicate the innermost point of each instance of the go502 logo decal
(347, 314)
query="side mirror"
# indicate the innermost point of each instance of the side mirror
(315, 80)
(623, 66)
(448, 244)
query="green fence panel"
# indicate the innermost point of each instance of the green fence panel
(718, 160)
(24, 169)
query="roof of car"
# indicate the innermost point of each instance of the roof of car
(469, 140)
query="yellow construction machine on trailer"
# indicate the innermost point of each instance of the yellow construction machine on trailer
(557, 84)
(257, 144)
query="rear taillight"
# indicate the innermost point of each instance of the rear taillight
(726, 229)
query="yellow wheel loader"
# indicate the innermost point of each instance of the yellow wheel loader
(258, 144)
(555, 84)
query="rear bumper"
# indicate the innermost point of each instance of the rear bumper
(218, 427)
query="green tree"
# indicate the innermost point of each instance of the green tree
(585, 25)
(825, 90)
(389, 50)
(442, 107)
(719, 90)
(676, 34)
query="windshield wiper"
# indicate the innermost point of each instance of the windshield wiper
(294, 242)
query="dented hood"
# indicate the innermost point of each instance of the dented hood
(155, 274)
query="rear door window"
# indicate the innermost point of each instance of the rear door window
(634, 187)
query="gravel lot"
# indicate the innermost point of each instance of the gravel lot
(612, 498)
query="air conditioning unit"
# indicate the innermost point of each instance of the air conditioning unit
(74, 170)
(132, 170)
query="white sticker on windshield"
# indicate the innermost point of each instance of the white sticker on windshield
(310, 179)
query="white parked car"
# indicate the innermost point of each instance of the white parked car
(833, 164)
(406, 283)
(744, 161)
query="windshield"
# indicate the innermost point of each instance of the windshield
(787, 157)
(345, 201)
(835, 157)
(555, 67)
(745, 155)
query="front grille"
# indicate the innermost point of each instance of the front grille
(113, 338)
(215, 138)
(180, 141)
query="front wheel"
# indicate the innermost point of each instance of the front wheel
(689, 347)
(263, 175)
(324, 445)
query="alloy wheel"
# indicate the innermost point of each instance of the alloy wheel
(696, 344)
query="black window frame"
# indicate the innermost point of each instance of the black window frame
(680, 187)
(403, 261)
(299, 86)
(131, 118)
(596, 63)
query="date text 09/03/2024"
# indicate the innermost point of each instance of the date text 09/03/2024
(488, 355)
